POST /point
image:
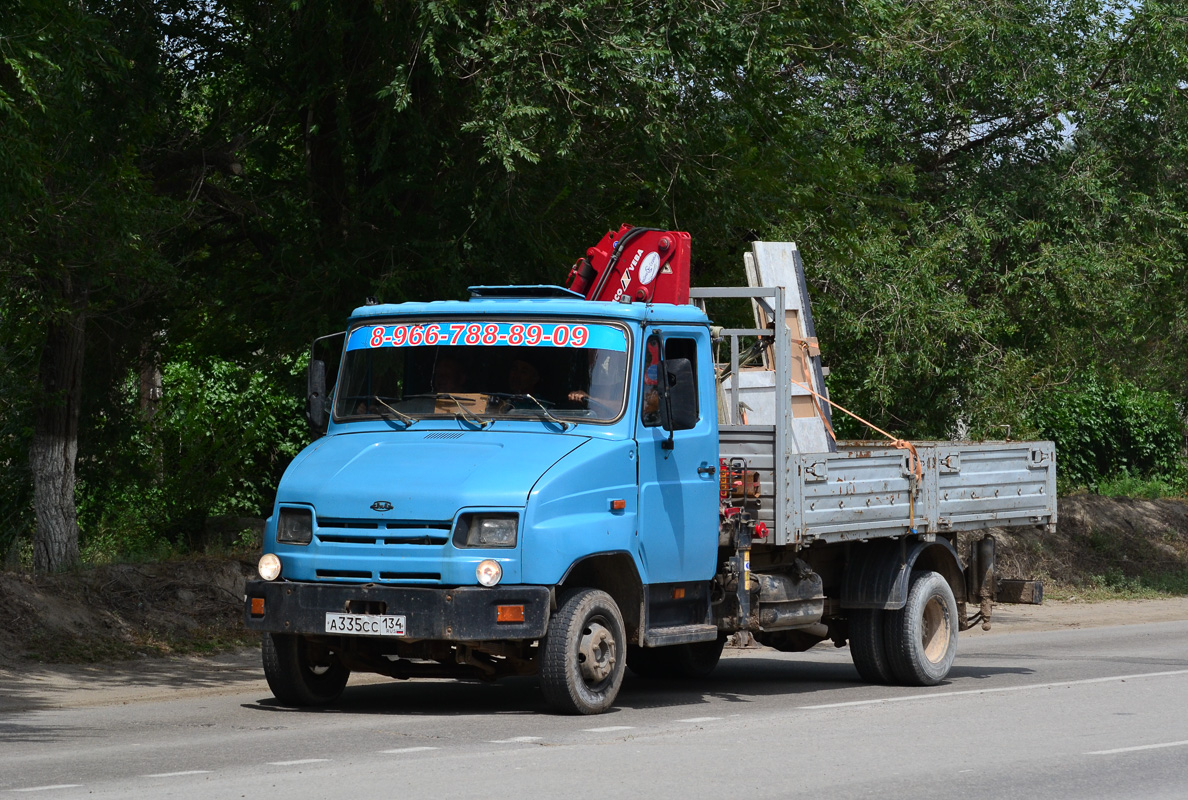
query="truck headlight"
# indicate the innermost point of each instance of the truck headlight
(488, 572)
(269, 567)
(294, 526)
(486, 530)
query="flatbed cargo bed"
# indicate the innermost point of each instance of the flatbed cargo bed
(864, 490)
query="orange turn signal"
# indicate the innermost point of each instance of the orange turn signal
(257, 606)
(678, 594)
(618, 505)
(509, 613)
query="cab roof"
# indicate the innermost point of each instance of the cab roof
(535, 300)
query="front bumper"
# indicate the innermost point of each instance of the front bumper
(465, 613)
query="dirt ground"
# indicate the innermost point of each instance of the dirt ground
(125, 611)
(1100, 539)
(1056, 615)
(147, 612)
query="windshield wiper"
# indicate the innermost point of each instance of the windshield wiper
(544, 410)
(469, 416)
(405, 418)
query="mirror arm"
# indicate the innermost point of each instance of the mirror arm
(315, 387)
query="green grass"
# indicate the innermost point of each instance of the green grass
(1154, 488)
(1113, 585)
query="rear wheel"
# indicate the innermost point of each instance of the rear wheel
(921, 637)
(300, 674)
(867, 645)
(584, 653)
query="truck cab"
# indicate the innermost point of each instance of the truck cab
(483, 463)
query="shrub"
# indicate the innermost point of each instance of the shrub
(221, 436)
(1107, 431)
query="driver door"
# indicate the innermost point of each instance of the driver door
(678, 487)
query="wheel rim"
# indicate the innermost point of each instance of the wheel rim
(596, 653)
(935, 630)
(317, 671)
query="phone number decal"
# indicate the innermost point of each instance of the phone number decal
(516, 334)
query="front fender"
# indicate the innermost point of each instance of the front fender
(570, 516)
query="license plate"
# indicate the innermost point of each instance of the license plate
(365, 624)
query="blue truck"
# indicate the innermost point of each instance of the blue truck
(534, 483)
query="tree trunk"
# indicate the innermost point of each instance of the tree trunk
(55, 445)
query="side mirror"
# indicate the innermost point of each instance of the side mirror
(315, 399)
(678, 410)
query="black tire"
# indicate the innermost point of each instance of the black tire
(584, 653)
(921, 637)
(297, 677)
(695, 661)
(867, 646)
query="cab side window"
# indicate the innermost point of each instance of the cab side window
(674, 347)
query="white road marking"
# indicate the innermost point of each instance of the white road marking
(699, 719)
(1136, 749)
(47, 788)
(409, 750)
(515, 740)
(177, 774)
(1027, 687)
(298, 761)
(610, 728)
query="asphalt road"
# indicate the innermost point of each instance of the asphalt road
(1078, 714)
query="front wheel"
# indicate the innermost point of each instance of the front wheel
(584, 654)
(301, 675)
(921, 637)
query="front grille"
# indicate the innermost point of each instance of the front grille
(410, 576)
(336, 531)
(343, 573)
(329, 537)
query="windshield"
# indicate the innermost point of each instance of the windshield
(483, 370)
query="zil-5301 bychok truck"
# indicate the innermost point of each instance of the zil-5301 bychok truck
(569, 482)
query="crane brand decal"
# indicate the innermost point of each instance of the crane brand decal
(650, 268)
(625, 281)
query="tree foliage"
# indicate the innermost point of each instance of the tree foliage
(990, 195)
(1103, 431)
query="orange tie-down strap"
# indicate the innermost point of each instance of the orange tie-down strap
(916, 467)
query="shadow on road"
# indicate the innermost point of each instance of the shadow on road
(736, 680)
(34, 687)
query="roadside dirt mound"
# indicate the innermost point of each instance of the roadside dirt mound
(122, 611)
(1100, 540)
(195, 606)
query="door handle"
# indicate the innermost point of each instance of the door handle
(706, 469)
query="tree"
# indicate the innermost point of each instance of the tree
(1016, 216)
(77, 235)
